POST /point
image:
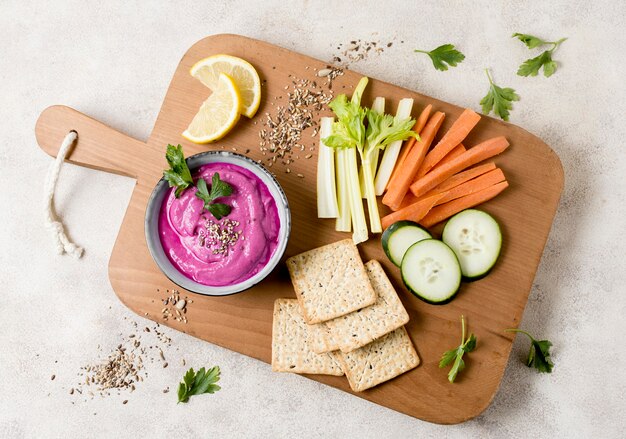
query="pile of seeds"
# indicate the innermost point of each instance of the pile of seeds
(120, 371)
(125, 366)
(219, 237)
(281, 136)
(358, 50)
(175, 306)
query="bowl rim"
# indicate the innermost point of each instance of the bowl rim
(154, 244)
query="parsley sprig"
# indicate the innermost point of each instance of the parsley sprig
(219, 188)
(457, 353)
(444, 54)
(178, 175)
(531, 66)
(498, 99)
(197, 383)
(539, 354)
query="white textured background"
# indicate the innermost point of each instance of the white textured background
(114, 60)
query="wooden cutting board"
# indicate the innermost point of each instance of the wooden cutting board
(243, 322)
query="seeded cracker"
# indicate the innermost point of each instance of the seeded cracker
(290, 350)
(361, 327)
(330, 281)
(379, 361)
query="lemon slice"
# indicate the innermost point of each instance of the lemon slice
(245, 76)
(217, 115)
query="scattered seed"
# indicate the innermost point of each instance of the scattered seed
(281, 133)
(300, 176)
(125, 401)
(323, 72)
(53, 377)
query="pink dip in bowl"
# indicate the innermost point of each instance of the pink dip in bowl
(227, 251)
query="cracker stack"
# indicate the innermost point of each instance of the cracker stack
(347, 319)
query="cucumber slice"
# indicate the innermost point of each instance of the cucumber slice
(431, 271)
(398, 237)
(476, 239)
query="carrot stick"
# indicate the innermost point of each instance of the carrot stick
(411, 164)
(409, 199)
(472, 186)
(445, 211)
(414, 212)
(418, 127)
(457, 151)
(478, 153)
(455, 135)
(450, 183)
(422, 119)
(462, 177)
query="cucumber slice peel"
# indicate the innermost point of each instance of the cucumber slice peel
(398, 237)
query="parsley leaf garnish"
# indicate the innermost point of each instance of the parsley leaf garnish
(197, 383)
(499, 99)
(531, 66)
(178, 175)
(539, 354)
(456, 355)
(219, 188)
(444, 54)
(530, 40)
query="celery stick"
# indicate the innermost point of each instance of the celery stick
(379, 106)
(372, 205)
(392, 151)
(343, 223)
(349, 133)
(359, 225)
(326, 189)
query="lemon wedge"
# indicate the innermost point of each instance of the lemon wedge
(208, 71)
(218, 114)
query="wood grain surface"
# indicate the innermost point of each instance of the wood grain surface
(243, 322)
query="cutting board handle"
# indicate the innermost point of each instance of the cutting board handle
(97, 145)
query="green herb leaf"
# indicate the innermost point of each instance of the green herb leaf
(182, 393)
(383, 129)
(530, 40)
(531, 66)
(539, 353)
(448, 357)
(457, 367)
(470, 344)
(198, 383)
(498, 99)
(189, 377)
(219, 210)
(444, 54)
(457, 353)
(219, 188)
(178, 175)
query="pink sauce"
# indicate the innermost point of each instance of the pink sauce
(226, 251)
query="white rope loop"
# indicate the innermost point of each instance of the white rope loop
(64, 245)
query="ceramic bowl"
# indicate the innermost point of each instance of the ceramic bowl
(162, 189)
